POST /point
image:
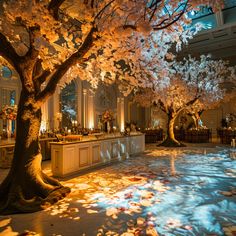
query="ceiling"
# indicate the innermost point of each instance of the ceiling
(219, 41)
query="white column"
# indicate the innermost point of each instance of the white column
(90, 110)
(121, 113)
(118, 112)
(45, 121)
(85, 105)
(55, 109)
(79, 95)
(219, 18)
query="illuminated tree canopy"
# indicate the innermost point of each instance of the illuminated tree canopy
(187, 85)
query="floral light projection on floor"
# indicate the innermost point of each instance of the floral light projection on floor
(161, 193)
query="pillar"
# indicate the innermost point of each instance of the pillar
(54, 110)
(45, 117)
(121, 113)
(90, 112)
(79, 96)
(45, 121)
(219, 18)
(85, 108)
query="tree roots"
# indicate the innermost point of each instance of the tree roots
(14, 201)
(171, 143)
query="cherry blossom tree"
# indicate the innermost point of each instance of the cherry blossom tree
(195, 111)
(206, 102)
(48, 43)
(185, 85)
(178, 96)
(218, 73)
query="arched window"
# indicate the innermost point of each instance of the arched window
(6, 72)
(68, 105)
(12, 97)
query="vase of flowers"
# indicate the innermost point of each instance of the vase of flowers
(9, 114)
(107, 118)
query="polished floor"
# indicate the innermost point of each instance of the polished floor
(184, 191)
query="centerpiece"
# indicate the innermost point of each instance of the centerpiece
(8, 113)
(107, 118)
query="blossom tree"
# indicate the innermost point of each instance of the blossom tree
(217, 74)
(48, 43)
(187, 83)
(206, 102)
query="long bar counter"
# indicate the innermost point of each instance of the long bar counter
(7, 149)
(71, 157)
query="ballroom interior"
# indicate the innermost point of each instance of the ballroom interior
(78, 146)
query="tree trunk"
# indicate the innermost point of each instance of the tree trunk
(196, 119)
(170, 140)
(27, 188)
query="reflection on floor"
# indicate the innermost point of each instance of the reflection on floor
(185, 191)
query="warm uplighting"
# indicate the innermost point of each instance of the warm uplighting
(122, 124)
(43, 126)
(121, 114)
(91, 124)
(74, 123)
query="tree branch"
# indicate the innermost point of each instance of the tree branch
(200, 112)
(77, 57)
(99, 14)
(42, 78)
(133, 27)
(8, 52)
(162, 106)
(39, 75)
(160, 26)
(39, 80)
(188, 103)
(38, 70)
(155, 3)
(92, 3)
(32, 53)
(53, 8)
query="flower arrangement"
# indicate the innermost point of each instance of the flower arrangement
(230, 117)
(8, 112)
(107, 116)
